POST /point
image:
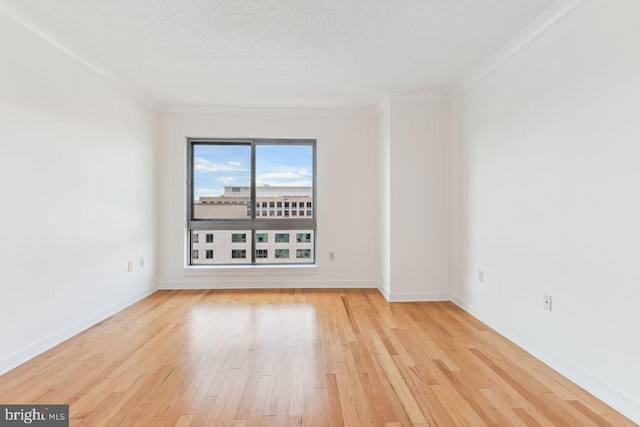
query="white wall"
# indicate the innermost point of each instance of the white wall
(77, 186)
(545, 198)
(347, 195)
(415, 198)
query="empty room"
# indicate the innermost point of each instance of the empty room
(320, 213)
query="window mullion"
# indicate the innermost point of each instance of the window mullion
(253, 202)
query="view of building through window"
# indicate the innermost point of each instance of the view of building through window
(252, 213)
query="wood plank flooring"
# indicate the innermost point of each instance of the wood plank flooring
(299, 357)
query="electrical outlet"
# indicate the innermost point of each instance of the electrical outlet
(481, 276)
(141, 261)
(130, 266)
(332, 256)
(547, 302)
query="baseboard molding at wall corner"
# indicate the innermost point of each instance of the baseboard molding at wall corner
(418, 296)
(603, 391)
(384, 293)
(35, 349)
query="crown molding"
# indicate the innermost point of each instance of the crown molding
(269, 111)
(74, 52)
(552, 16)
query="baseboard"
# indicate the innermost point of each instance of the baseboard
(418, 296)
(276, 284)
(384, 293)
(30, 351)
(609, 395)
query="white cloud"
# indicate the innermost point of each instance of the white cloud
(279, 175)
(208, 192)
(285, 174)
(227, 180)
(204, 165)
(283, 183)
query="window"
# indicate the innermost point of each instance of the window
(282, 253)
(195, 253)
(239, 188)
(303, 253)
(282, 238)
(262, 253)
(209, 254)
(303, 237)
(238, 253)
(238, 238)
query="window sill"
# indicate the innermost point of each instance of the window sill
(208, 270)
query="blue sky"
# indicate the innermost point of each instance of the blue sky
(215, 166)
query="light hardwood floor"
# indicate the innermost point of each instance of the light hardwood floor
(299, 357)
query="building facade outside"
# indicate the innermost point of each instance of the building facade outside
(271, 246)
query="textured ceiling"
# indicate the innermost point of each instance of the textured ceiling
(284, 52)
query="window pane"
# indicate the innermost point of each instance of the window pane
(262, 253)
(221, 181)
(282, 238)
(239, 238)
(220, 247)
(238, 253)
(292, 247)
(303, 253)
(284, 174)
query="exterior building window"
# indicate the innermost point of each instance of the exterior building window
(303, 237)
(282, 253)
(238, 238)
(220, 216)
(262, 253)
(282, 237)
(238, 253)
(303, 253)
